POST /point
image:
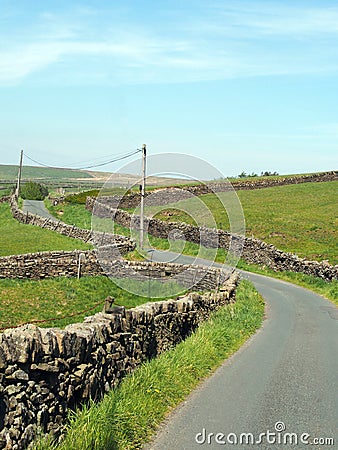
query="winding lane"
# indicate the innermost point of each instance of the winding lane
(37, 207)
(285, 375)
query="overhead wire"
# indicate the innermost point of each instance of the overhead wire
(99, 159)
(92, 166)
(118, 157)
(113, 160)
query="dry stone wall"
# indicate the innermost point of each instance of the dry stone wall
(152, 198)
(4, 199)
(175, 194)
(62, 263)
(46, 372)
(49, 264)
(254, 250)
(268, 182)
(124, 244)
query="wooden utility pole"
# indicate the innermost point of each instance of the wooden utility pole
(17, 192)
(143, 190)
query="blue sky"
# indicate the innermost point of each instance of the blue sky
(245, 85)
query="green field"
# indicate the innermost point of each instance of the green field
(301, 218)
(329, 290)
(17, 238)
(30, 300)
(77, 214)
(10, 172)
(298, 218)
(51, 299)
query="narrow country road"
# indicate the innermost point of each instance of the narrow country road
(284, 377)
(37, 207)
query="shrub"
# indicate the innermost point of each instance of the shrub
(269, 174)
(33, 191)
(80, 199)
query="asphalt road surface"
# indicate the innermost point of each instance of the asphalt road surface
(37, 207)
(284, 380)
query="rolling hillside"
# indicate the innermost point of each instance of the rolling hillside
(10, 173)
(81, 179)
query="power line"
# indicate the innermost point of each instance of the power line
(113, 160)
(118, 158)
(39, 163)
(99, 159)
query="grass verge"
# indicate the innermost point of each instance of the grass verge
(128, 416)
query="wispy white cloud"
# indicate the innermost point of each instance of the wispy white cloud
(236, 39)
(274, 19)
(18, 63)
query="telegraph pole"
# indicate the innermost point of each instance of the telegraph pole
(143, 189)
(17, 192)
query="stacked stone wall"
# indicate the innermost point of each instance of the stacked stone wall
(42, 265)
(46, 372)
(254, 251)
(124, 244)
(174, 194)
(4, 199)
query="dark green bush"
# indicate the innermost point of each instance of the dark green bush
(33, 191)
(80, 198)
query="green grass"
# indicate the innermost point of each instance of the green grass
(77, 214)
(17, 238)
(81, 197)
(10, 172)
(24, 301)
(127, 417)
(73, 214)
(329, 290)
(301, 219)
(5, 192)
(29, 300)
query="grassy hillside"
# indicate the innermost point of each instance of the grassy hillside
(79, 215)
(8, 172)
(17, 238)
(298, 218)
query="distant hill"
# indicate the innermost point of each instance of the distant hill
(10, 173)
(86, 178)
